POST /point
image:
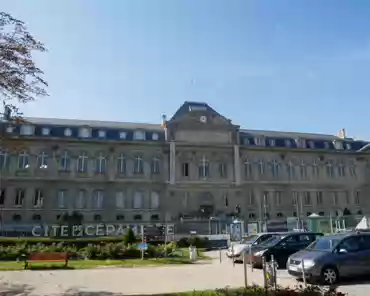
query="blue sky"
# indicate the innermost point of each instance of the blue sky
(280, 65)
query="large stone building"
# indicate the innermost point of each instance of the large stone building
(197, 166)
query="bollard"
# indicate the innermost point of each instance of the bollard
(273, 272)
(232, 254)
(304, 274)
(220, 254)
(264, 273)
(251, 258)
(245, 269)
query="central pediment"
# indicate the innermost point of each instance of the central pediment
(199, 123)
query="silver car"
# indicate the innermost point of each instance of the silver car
(331, 257)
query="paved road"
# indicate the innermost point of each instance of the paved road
(131, 281)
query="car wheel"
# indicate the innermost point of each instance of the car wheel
(329, 275)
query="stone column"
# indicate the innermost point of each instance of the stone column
(172, 163)
(237, 164)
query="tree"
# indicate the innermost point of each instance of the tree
(129, 237)
(20, 79)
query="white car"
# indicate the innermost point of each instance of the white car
(236, 251)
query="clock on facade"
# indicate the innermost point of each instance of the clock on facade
(203, 119)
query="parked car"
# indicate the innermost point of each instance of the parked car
(236, 251)
(332, 257)
(281, 246)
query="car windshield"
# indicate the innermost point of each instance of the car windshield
(272, 240)
(324, 243)
(249, 239)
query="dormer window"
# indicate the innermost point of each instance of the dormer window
(101, 134)
(9, 129)
(27, 130)
(122, 135)
(45, 131)
(338, 145)
(301, 143)
(84, 132)
(288, 143)
(259, 141)
(68, 132)
(348, 146)
(326, 145)
(139, 135)
(311, 144)
(246, 141)
(272, 142)
(155, 136)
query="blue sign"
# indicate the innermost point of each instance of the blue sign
(143, 246)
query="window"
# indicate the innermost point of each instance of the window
(185, 169)
(102, 134)
(301, 143)
(326, 145)
(357, 197)
(42, 160)
(138, 200)
(271, 142)
(223, 170)
(98, 199)
(348, 146)
(288, 143)
(226, 200)
(62, 199)
(295, 196)
(350, 244)
(251, 216)
(352, 169)
(38, 198)
(315, 168)
(122, 135)
(321, 213)
(121, 164)
(261, 167)
(155, 165)
(307, 197)
(97, 218)
(19, 197)
(84, 132)
(311, 144)
(338, 145)
(279, 215)
(346, 198)
(303, 169)
(68, 132)
(154, 200)
(4, 160)
(101, 163)
(120, 217)
(335, 197)
(138, 165)
(329, 169)
(120, 200)
(203, 168)
(82, 163)
(23, 160)
(291, 169)
(139, 135)
(247, 169)
(9, 129)
(17, 218)
(155, 137)
(2, 196)
(27, 130)
(64, 161)
(81, 199)
(246, 141)
(36, 217)
(341, 169)
(154, 217)
(45, 131)
(277, 198)
(275, 167)
(137, 217)
(259, 141)
(319, 200)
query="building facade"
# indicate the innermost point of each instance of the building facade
(195, 167)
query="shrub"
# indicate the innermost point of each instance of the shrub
(129, 237)
(195, 241)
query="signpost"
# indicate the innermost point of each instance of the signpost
(143, 244)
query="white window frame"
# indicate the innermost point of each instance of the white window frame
(101, 163)
(272, 142)
(138, 165)
(121, 164)
(68, 132)
(82, 163)
(65, 160)
(38, 198)
(84, 132)
(20, 195)
(27, 130)
(102, 133)
(45, 131)
(247, 168)
(10, 129)
(98, 199)
(23, 160)
(139, 135)
(123, 135)
(42, 160)
(156, 162)
(155, 136)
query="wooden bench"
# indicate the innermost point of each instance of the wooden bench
(47, 257)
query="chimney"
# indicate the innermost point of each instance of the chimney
(342, 133)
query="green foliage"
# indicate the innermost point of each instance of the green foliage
(129, 237)
(98, 250)
(195, 241)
